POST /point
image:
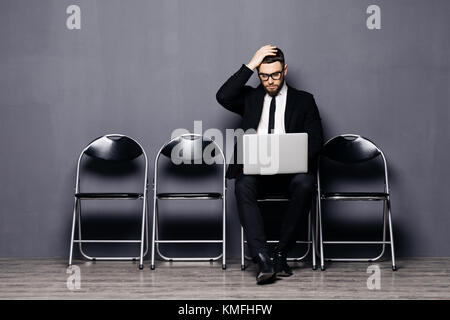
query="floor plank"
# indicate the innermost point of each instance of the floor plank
(417, 278)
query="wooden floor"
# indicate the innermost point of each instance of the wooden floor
(418, 278)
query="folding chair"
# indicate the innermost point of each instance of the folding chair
(350, 149)
(188, 148)
(311, 236)
(118, 149)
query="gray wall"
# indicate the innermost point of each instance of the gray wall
(143, 68)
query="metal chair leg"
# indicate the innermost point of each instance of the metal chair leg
(242, 250)
(386, 216)
(319, 217)
(144, 221)
(80, 244)
(146, 230)
(391, 235)
(313, 238)
(72, 237)
(224, 231)
(152, 263)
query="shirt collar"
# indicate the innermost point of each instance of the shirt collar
(283, 89)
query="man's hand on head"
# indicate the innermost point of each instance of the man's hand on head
(258, 57)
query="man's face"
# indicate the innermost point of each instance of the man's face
(276, 70)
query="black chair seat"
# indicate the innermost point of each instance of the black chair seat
(110, 195)
(355, 195)
(273, 198)
(189, 195)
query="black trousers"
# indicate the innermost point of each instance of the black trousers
(248, 188)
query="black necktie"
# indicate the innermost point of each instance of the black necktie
(272, 115)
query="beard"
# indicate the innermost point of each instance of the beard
(274, 92)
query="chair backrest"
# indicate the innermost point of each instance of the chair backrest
(187, 148)
(350, 148)
(114, 147)
(190, 147)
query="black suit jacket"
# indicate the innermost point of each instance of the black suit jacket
(301, 114)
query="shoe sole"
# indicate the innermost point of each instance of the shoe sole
(264, 277)
(283, 274)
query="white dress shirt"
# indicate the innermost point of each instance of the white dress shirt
(280, 101)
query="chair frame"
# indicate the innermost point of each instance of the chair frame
(155, 233)
(386, 214)
(77, 214)
(311, 237)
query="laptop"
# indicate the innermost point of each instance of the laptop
(269, 154)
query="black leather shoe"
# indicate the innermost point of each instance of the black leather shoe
(266, 272)
(281, 267)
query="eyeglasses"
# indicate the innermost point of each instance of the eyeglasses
(274, 76)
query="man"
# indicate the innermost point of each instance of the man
(272, 107)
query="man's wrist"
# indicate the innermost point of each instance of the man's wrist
(248, 65)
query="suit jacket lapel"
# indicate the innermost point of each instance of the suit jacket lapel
(290, 106)
(259, 102)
